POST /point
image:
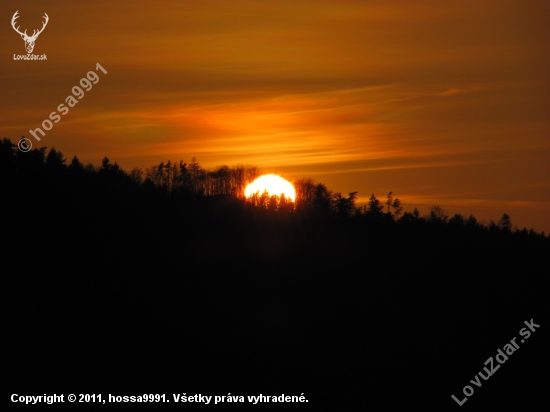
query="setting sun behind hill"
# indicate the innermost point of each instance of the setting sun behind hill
(273, 184)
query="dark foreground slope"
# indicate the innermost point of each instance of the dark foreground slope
(127, 293)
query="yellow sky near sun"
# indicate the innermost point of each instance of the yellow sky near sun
(438, 101)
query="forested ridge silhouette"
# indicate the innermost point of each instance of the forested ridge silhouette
(168, 281)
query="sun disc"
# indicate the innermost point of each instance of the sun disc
(273, 184)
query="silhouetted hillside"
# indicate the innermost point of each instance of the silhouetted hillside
(125, 285)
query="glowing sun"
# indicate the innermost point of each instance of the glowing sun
(273, 184)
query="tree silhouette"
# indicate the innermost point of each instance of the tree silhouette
(457, 220)
(55, 159)
(8, 159)
(305, 193)
(505, 223)
(374, 207)
(136, 174)
(437, 214)
(157, 255)
(471, 222)
(389, 201)
(322, 201)
(397, 207)
(75, 164)
(345, 206)
(286, 204)
(264, 200)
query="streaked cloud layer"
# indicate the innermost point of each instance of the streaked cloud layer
(443, 102)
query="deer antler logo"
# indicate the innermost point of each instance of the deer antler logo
(29, 40)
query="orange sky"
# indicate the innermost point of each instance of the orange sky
(443, 103)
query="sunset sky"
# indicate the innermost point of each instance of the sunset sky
(443, 102)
